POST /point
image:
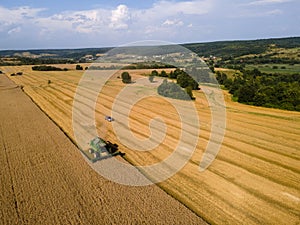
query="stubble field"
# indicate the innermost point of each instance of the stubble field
(45, 180)
(255, 177)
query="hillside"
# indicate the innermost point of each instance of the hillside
(240, 48)
(223, 49)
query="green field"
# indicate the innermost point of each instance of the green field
(276, 68)
(229, 72)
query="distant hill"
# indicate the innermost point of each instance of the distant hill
(222, 49)
(239, 48)
(55, 53)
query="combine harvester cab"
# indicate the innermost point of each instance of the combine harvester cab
(100, 149)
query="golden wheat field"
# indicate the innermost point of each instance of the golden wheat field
(255, 177)
(44, 179)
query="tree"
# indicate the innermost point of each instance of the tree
(154, 73)
(236, 84)
(228, 83)
(185, 80)
(171, 75)
(189, 91)
(182, 80)
(176, 73)
(78, 67)
(163, 74)
(126, 78)
(246, 93)
(46, 68)
(172, 90)
(221, 77)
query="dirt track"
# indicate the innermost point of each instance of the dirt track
(44, 179)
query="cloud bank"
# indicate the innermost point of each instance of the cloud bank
(175, 21)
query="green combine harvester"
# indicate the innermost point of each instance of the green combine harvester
(100, 149)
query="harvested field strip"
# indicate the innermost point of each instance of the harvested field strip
(260, 124)
(230, 189)
(264, 129)
(223, 205)
(268, 126)
(265, 170)
(278, 148)
(264, 193)
(266, 134)
(284, 162)
(259, 128)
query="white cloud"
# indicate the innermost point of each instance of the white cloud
(89, 21)
(273, 12)
(175, 22)
(103, 20)
(256, 14)
(18, 15)
(169, 20)
(197, 7)
(14, 30)
(166, 16)
(120, 17)
(267, 2)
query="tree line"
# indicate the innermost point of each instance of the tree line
(173, 90)
(18, 61)
(48, 68)
(147, 65)
(183, 79)
(183, 87)
(239, 48)
(260, 89)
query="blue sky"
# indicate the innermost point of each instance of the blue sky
(35, 24)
